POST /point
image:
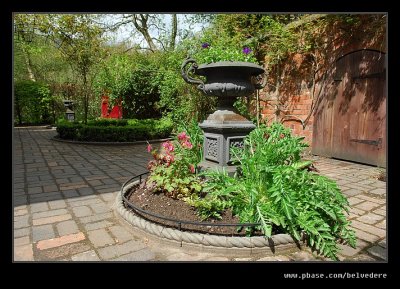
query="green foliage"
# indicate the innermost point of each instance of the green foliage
(274, 189)
(116, 131)
(267, 36)
(169, 180)
(150, 84)
(134, 79)
(172, 171)
(114, 77)
(111, 122)
(80, 38)
(215, 44)
(218, 196)
(224, 53)
(32, 102)
(272, 146)
(278, 40)
(179, 101)
(270, 36)
(209, 207)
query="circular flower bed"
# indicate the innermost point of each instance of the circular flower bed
(273, 190)
(154, 226)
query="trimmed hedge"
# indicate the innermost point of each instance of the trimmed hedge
(108, 122)
(97, 131)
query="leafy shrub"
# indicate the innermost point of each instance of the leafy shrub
(213, 53)
(32, 102)
(68, 130)
(274, 189)
(141, 130)
(179, 101)
(171, 171)
(108, 122)
(133, 78)
(273, 145)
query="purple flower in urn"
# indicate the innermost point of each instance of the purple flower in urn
(205, 45)
(246, 50)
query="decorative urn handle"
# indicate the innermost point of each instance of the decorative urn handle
(259, 81)
(189, 66)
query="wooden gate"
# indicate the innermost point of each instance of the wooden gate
(350, 117)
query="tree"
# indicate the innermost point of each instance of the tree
(24, 30)
(148, 24)
(159, 32)
(79, 38)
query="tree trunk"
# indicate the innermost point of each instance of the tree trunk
(140, 22)
(54, 110)
(85, 97)
(174, 31)
(18, 110)
(28, 63)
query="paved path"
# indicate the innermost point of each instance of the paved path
(64, 196)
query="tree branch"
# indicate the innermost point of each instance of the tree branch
(159, 41)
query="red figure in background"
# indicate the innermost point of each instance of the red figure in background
(106, 112)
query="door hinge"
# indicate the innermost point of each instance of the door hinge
(368, 142)
(381, 74)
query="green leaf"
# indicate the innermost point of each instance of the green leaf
(267, 228)
(296, 234)
(301, 165)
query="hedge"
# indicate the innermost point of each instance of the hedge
(108, 122)
(97, 131)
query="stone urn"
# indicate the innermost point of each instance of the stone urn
(225, 127)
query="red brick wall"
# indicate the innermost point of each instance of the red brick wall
(299, 106)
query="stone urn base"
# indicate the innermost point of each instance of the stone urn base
(222, 130)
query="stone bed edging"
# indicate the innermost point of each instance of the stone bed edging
(211, 241)
(54, 138)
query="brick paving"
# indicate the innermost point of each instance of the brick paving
(64, 195)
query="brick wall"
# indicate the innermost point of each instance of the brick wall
(295, 110)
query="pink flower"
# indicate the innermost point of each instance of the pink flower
(182, 136)
(191, 168)
(187, 144)
(149, 148)
(168, 146)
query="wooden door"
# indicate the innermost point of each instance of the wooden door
(350, 119)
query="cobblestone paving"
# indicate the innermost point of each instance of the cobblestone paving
(64, 196)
